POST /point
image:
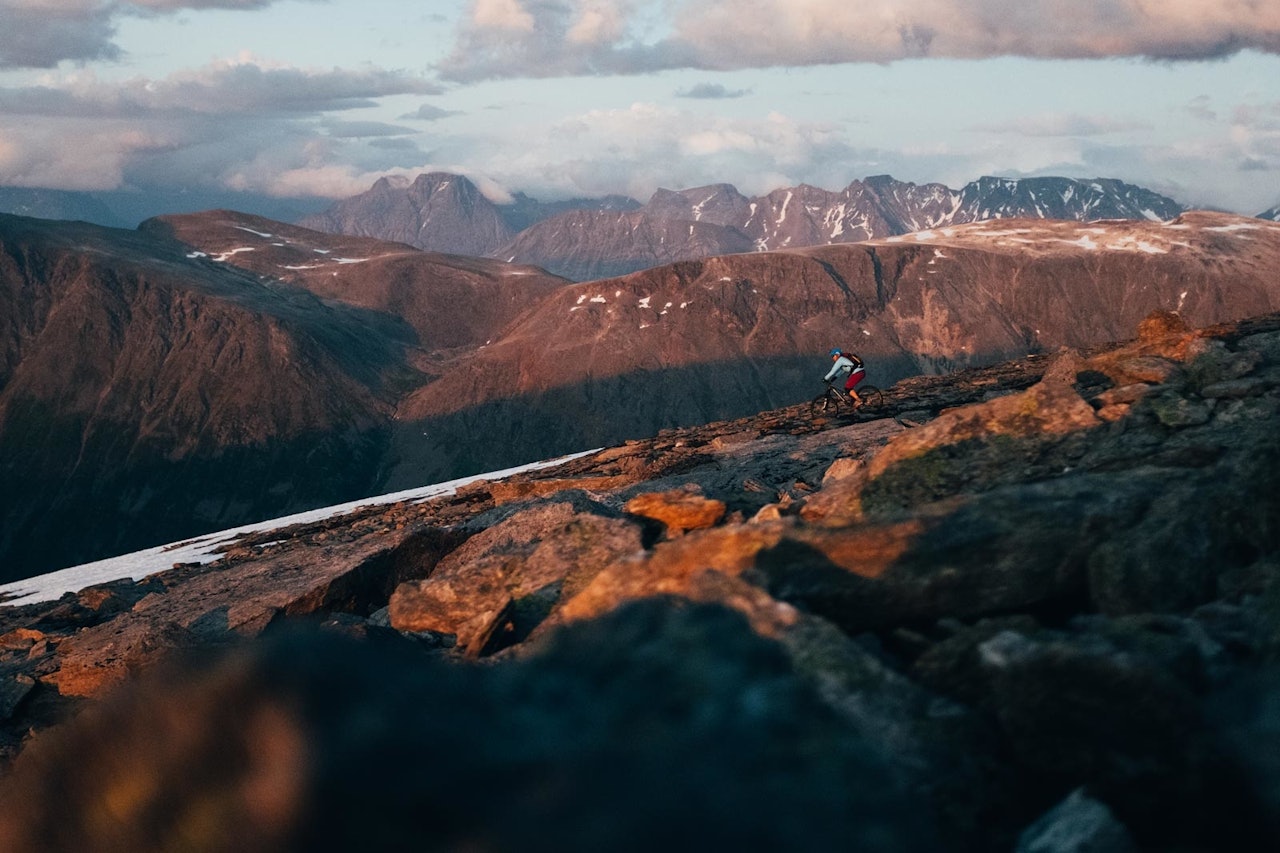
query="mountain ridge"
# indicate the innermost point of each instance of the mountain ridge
(600, 241)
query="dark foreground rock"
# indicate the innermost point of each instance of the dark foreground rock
(1030, 607)
(661, 726)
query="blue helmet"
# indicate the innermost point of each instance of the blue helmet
(835, 352)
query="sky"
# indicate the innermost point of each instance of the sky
(271, 100)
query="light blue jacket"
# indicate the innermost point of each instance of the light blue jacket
(842, 368)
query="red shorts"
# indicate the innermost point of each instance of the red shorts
(854, 378)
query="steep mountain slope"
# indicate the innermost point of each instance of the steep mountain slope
(1042, 618)
(1060, 198)
(450, 300)
(589, 244)
(694, 341)
(1273, 214)
(437, 212)
(132, 373)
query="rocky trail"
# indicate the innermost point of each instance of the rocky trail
(1030, 607)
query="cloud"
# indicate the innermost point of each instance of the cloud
(1257, 117)
(429, 112)
(329, 180)
(42, 33)
(241, 124)
(636, 150)
(501, 15)
(550, 38)
(363, 129)
(60, 155)
(1065, 124)
(38, 35)
(242, 85)
(1201, 107)
(711, 91)
(400, 145)
(546, 38)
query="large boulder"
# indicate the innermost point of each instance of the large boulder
(660, 726)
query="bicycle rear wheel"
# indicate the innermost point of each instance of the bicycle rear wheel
(871, 396)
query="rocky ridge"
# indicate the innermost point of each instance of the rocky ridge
(1015, 604)
(442, 212)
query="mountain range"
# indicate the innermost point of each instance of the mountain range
(269, 368)
(445, 212)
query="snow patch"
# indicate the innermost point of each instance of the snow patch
(644, 303)
(581, 299)
(231, 252)
(206, 549)
(1235, 226)
(598, 299)
(262, 234)
(1135, 244)
(194, 255)
(782, 214)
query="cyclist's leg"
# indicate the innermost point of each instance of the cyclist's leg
(851, 385)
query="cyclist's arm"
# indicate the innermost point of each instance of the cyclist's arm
(840, 365)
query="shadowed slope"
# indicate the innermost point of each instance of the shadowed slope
(132, 373)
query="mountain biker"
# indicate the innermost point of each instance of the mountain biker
(848, 366)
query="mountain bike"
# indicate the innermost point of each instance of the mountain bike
(834, 399)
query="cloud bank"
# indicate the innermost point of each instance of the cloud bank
(547, 38)
(42, 33)
(234, 123)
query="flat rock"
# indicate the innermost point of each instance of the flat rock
(679, 510)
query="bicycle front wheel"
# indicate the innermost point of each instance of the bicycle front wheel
(823, 404)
